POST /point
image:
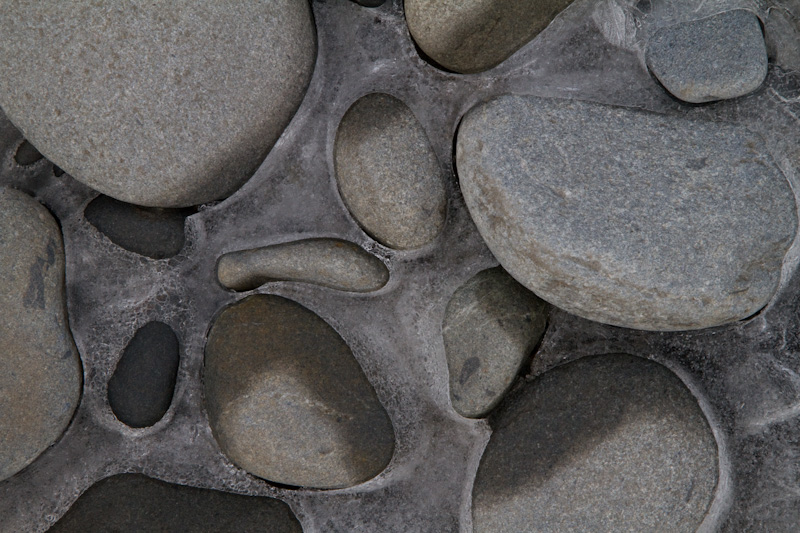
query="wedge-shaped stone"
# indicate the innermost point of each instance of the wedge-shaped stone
(287, 401)
(627, 217)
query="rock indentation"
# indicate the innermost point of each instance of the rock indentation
(607, 443)
(719, 57)
(141, 388)
(328, 262)
(491, 325)
(627, 217)
(388, 175)
(40, 370)
(151, 108)
(288, 402)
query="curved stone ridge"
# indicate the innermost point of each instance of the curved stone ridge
(132, 502)
(328, 262)
(288, 402)
(470, 36)
(491, 325)
(719, 57)
(40, 370)
(388, 175)
(627, 217)
(608, 443)
(150, 107)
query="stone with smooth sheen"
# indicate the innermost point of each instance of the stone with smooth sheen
(608, 443)
(288, 402)
(328, 262)
(132, 502)
(627, 217)
(491, 325)
(388, 175)
(159, 104)
(715, 58)
(469, 36)
(40, 370)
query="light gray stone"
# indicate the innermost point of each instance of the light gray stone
(719, 57)
(288, 402)
(608, 443)
(328, 262)
(158, 104)
(470, 36)
(388, 174)
(40, 371)
(491, 325)
(627, 217)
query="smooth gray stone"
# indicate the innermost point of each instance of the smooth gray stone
(491, 325)
(627, 217)
(158, 104)
(388, 175)
(288, 402)
(608, 443)
(40, 370)
(328, 262)
(719, 57)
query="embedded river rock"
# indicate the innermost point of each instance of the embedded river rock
(388, 175)
(288, 402)
(40, 370)
(608, 443)
(627, 217)
(156, 104)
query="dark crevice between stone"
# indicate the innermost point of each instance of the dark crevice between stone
(27, 154)
(57, 172)
(369, 3)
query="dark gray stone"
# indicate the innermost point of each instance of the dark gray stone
(132, 502)
(287, 401)
(155, 104)
(328, 262)
(626, 217)
(388, 174)
(609, 443)
(719, 57)
(140, 390)
(490, 327)
(27, 154)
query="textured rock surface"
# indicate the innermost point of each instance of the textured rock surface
(40, 371)
(132, 502)
(388, 174)
(288, 402)
(626, 217)
(141, 388)
(490, 327)
(609, 443)
(155, 104)
(473, 35)
(723, 56)
(329, 262)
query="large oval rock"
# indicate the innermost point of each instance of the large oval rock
(388, 174)
(40, 371)
(609, 443)
(155, 104)
(287, 401)
(469, 36)
(627, 217)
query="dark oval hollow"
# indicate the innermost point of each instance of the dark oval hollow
(27, 154)
(140, 391)
(133, 502)
(153, 232)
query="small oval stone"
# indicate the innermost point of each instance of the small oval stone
(141, 388)
(468, 36)
(608, 443)
(288, 402)
(328, 262)
(627, 217)
(40, 370)
(491, 325)
(388, 174)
